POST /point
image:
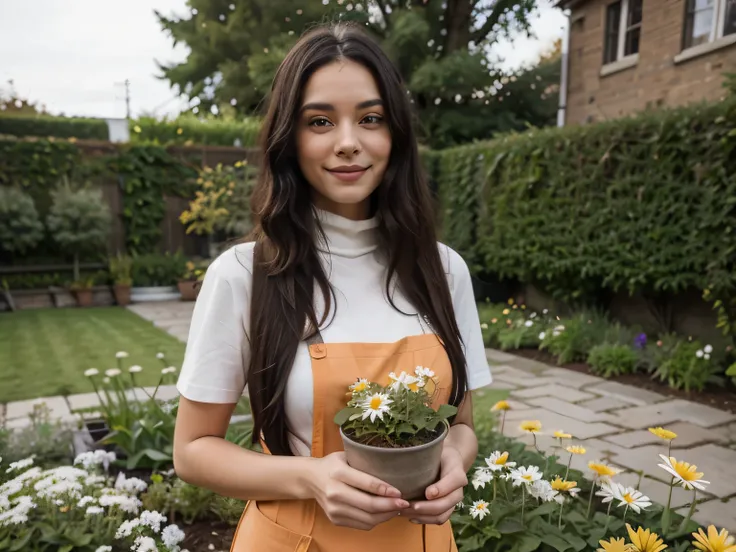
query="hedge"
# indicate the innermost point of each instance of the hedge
(58, 127)
(645, 204)
(189, 130)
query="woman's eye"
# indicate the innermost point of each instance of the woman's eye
(320, 121)
(373, 119)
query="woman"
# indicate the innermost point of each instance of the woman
(344, 278)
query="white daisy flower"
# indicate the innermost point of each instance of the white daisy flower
(479, 509)
(91, 372)
(135, 369)
(375, 406)
(684, 473)
(542, 489)
(529, 323)
(112, 372)
(360, 385)
(169, 370)
(481, 477)
(160, 356)
(699, 353)
(632, 498)
(525, 475)
(172, 536)
(121, 354)
(423, 372)
(542, 335)
(499, 460)
(608, 491)
(407, 381)
(708, 349)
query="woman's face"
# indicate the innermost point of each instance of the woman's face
(343, 140)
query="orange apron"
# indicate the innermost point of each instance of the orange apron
(301, 525)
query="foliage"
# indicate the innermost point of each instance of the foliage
(121, 267)
(141, 431)
(396, 415)
(148, 174)
(639, 204)
(189, 129)
(36, 164)
(573, 338)
(195, 270)
(609, 360)
(37, 281)
(157, 269)
(80, 509)
(58, 127)
(79, 221)
(440, 49)
(221, 201)
(20, 226)
(688, 367)
(48, 441)
(181, 500)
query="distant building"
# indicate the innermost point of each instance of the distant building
(626, 56)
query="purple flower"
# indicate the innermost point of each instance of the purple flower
(640, 341)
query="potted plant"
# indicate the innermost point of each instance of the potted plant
(79, 221)
(120, 272)
(392, 432)
(190, 280)
(155, 277)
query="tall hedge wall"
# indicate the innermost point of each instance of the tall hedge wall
(644, 204)
(58, 127)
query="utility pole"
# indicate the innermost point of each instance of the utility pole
(127, 99)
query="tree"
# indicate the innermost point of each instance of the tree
(12, 104)
(20, 226)
(440, 47)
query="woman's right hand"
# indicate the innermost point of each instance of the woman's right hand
(352, 498)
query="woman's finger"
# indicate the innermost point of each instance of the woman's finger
(434, 519)
(369, 503)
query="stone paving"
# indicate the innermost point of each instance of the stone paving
(609, 419)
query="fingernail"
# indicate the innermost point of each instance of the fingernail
(402, 503)
(416, 521)
(433, 491)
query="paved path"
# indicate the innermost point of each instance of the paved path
(609, 419)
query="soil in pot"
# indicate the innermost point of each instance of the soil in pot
(384, 441)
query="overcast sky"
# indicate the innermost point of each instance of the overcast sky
(74, 55)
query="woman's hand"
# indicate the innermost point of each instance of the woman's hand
(443, 496)
(351, 498)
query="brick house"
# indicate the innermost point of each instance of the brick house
(625, 56)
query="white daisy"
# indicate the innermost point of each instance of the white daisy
(525, 475)
(529, 323)
(360, 385)
(375, 406)
(708, 349)
(499, 460)
(479, 509)
(112, 372)
(608, 491)
(542, 489)
(481, 477)
(407, 381)
(423, 372)
(91, 372)
(160, 356)
(121, 354)
(684, 473)
(135, 369)
(632, 498)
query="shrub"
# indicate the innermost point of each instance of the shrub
(79, 221)
(612, 360)
(58, 127)
(689, 366)
(157, 269)
(49, 442)
(120, 269)
(188, 129)
(572, 339)
(20, 226)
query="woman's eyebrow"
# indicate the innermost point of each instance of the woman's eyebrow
(321, 106)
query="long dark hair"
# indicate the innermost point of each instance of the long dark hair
(286, 261)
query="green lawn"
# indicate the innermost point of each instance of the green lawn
(45, 352)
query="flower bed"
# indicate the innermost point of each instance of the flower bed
(589, 341)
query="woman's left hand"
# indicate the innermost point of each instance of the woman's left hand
(443, 496)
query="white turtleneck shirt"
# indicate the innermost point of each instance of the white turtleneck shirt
(217, 352)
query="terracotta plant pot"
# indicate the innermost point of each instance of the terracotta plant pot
(122, 294)
(83, 297)
(411, 470)
(188, 290)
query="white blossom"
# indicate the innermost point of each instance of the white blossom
(152, 519)
(126, 528)
(129, 504)
(94, 510)
(86, 500)
(20, 464)
(542, 335)
(529, 323)
(104, 548)
(91, 372)
(169, 370)
(135, 369)
(160, 356)
(132, 485)
(172, 536)
(708, 349)
(144, 544)
(95, 458)
(112, 372)
(121, 354)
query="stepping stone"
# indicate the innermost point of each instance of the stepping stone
(603, 404)
(571, 410)
(688, 435)
(554, 390)
(626, 393)
(530, 366)
(571, 378)
(553, 421)
(499, 356)
(525, 380)
(672, 411)
(83, 400)
(22, 409)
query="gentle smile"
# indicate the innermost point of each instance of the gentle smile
(348, 173)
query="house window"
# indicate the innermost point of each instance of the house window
(623, 29)
(708, 20)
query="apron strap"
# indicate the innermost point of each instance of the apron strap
(315, 339)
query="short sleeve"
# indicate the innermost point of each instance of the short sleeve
(217, 351)
(468, 321)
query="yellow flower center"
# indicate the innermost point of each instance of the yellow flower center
(527, 477)
(480, 507)
(687, 471)
(501, 460)
(376, 403)
(359, 387)
(413, 387)
(628, 498)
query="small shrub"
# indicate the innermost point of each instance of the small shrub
(689, 367)
(609, 360)
(158, 270)
(572, 339)
(48, 442)
(20, 226)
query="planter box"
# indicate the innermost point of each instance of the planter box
(57, 297)
(151, 294)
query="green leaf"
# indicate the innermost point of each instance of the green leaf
(446, 411)
(406, 428)
(527, 543)
(558, 543)
(344, 415)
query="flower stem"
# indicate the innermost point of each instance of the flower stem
(494, 487)
(567, 472)
(523, 497)
(608, 517)
(590, 500)
(691, 511)
(559, 520)
(666, 512)
(641, 476)
(626, 511)
(503, 420)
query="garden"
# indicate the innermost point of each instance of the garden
(631, 281)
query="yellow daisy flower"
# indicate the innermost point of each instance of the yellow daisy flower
(531, 426)
(715, 541)
(576, 450)
(684, 473)
(614, 545)
(562, 435)
(563, 485)
(662, 433)
(501, 405)
(603, 471)
(506, 311)
(643, 540)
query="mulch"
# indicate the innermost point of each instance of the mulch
(722, 398)
(203, 534)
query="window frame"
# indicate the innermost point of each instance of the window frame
(623, 29)
(717, 28)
